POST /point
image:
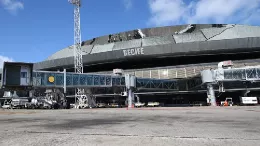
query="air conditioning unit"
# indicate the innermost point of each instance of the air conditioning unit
(117, 71)
(225, 64)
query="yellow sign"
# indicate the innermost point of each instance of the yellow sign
(51, 79)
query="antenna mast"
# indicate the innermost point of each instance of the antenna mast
(78, 63)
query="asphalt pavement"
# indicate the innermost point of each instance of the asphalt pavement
(145, 126)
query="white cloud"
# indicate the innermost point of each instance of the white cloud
(166, 12)
(4, 59)
(128, 4)
(12, 5)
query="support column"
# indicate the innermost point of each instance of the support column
(130, 98)
(65, 103)
(211, 95)
(130, 82)
(65, 82)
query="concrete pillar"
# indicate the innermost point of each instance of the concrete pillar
(211, 95)
(130, 98)
(65, 81)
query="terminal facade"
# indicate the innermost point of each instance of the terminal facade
(172, 52)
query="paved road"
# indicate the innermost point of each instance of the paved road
(159, 126)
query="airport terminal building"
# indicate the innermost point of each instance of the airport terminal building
(171, 52)
(142, 52)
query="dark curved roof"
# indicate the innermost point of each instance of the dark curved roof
(159, 42)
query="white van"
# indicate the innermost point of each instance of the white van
(248, 100)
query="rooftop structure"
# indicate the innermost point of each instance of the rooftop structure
(165, 46)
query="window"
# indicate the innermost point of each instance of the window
(23, 74)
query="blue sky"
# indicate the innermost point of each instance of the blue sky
(32, 30)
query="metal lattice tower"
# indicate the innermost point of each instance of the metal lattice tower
(78, 64)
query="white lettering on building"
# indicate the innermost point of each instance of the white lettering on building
(133, 52)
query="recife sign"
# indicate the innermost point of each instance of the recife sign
(133, 51)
